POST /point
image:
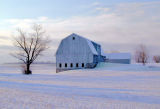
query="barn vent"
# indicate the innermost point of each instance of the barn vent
(76, 64)
(65, 64)
(82, 64)
(73, 38)
(71, 65)
(60, 65)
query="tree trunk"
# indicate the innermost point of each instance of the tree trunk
(143, 62)
(28, 71)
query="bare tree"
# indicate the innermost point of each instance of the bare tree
(30, 46)
(156, 59)
(141, 55)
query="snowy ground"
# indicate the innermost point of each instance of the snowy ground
(110, 86)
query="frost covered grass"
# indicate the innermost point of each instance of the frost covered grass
(109, 86)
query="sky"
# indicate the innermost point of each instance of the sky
(118, 25)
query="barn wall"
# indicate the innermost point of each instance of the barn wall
(121, 61)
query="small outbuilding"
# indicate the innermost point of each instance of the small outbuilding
(122, 58)
(77, 52)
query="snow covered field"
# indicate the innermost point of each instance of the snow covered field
(109, 86)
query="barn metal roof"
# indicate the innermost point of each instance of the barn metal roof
(118, 56)
(90, 44)
(91, 47)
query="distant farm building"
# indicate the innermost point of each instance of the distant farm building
(77, 52)
(122, 58)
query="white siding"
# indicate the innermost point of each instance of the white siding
(74, 51)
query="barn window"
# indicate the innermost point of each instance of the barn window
(71, 65)
(65, 64)
(76, 64)
(82, 64)
(73, 38)
(60, 65)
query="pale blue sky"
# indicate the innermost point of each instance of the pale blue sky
(118, 25)
(52, 8)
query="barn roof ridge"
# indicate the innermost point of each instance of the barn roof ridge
(83, 37)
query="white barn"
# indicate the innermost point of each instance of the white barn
(76, 52)
(122, 58)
